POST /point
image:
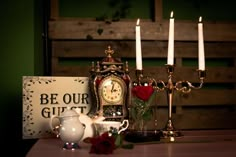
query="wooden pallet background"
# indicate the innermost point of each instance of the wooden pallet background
(75, 43)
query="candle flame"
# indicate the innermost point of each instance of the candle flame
(171, 14)
(137, 22)
(200, 19)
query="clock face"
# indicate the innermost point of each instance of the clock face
(112, 90)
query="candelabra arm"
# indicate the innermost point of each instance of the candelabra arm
(186, 86)
(158, 85)
(195, 87)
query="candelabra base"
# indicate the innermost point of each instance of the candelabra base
(169, 131)
(135, 136)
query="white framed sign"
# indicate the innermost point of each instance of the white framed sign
(45, 96)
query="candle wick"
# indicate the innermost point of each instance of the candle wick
(171, 14)
(137, 22)
(200, 19)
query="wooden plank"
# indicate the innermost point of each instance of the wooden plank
(201, 118)
(214, 74)
(150, 49)
(206, 97)
(199, 98)
(54, 10)
(158, 17)
(55, 65)
(184, 30)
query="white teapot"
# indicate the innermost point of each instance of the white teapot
(70, 128)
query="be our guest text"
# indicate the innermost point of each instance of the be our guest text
(55, 104)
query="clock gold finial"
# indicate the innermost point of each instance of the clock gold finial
(92, 67)
(97, 67)
(109, 51)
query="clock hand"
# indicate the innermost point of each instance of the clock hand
(112, 87)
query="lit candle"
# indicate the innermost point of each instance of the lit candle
(138, 48)
(201, 56)
(170, 57)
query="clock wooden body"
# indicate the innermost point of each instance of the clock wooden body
(110, 84)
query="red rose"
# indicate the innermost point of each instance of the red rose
(142, 92)
(103, 144)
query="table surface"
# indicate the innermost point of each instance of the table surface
(201, 143)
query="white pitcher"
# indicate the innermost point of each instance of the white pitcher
(70, 129)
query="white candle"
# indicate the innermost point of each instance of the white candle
(201, 56)
(138, 48)
(170, 57)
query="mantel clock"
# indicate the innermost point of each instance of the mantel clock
(110, 84)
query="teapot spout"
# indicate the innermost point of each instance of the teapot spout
(87, 121)
(98, 119)
(77, 110)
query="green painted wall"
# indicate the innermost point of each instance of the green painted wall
(183, 9)
(210, 10)
(109, 9)
(20, 46)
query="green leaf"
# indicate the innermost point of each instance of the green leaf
(151, 98)
(133, 113)
(118, 141)
(128, 146)
(147, 115)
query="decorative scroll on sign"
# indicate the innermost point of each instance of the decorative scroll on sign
(46, 96)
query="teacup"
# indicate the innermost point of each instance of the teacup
(107, 126)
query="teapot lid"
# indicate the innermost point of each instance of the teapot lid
(69, 112)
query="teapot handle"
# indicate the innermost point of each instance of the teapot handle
(124, 125)
(54, 129)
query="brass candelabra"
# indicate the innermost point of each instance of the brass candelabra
(180, 86)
